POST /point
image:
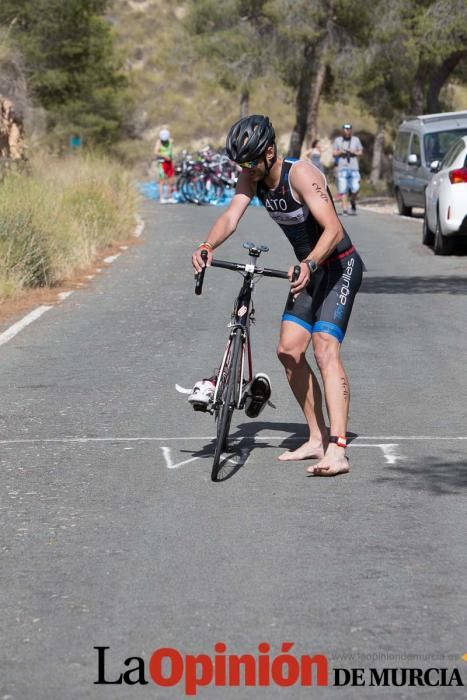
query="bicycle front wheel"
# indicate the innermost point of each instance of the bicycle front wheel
(228, 393)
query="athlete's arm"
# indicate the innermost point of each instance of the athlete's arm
(227, 223)
(309, 187)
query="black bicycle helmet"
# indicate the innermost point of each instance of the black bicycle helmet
(249, 137)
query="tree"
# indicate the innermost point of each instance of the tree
(70, 62)
(438, 47)
(310, 37)
(382, 77)
(300, 30)
(234, 36)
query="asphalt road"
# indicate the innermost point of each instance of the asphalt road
(112, 533)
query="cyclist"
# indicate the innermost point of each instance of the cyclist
(347, 149)
(296, 195)
(163, 151)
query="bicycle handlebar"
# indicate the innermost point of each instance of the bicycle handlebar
(241, 267)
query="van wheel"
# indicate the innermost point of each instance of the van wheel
(402, 208)
(428, 236)
(443, 245)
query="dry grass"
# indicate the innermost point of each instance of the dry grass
(56, 217)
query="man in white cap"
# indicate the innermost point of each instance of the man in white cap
(163, 152)
(347, 149)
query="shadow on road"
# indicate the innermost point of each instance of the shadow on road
(247, 437)
(446, 284)
(440, 478)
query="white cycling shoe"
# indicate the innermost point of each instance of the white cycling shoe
(202, 395)
(258, 394)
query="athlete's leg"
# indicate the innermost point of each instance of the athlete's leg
(171, 186)
(337, 394)
(293, 343)
(335, 298)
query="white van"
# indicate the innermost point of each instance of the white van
(422, 141)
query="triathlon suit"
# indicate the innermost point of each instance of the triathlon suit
(166, 168)
(326, 303)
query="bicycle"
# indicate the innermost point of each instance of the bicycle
(204, 180)
(231, 381)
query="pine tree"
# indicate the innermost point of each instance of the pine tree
(71, 66)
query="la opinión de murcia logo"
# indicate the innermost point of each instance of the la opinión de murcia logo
(168, 667)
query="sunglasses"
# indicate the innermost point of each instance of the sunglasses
(249, 164)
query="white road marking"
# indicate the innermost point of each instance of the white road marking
(168, 459)
(22, 323)
(64, 295)
(149, 438)
(411, 437)
(388, 449)
(170, 465)
(111, 258)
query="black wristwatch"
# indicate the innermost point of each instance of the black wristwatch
(312, 265)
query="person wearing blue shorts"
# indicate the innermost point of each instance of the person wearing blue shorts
(296, 196)
(347, 149)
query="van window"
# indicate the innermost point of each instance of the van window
(401, 150)
(437, 144)
(415, 147)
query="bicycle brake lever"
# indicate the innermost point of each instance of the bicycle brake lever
(200, 275)
(295, 276)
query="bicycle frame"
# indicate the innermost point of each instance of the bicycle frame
(241, 319)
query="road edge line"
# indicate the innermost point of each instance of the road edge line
(36, 313)
(22, 323)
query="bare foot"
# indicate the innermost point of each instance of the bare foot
(333, 463)
(313, 449)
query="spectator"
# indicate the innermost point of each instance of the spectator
(163, 152)
(347, 149)
(314, 154)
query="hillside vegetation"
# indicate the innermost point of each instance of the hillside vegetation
(172, 84)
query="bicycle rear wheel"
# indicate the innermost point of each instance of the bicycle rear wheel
(228, 392)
